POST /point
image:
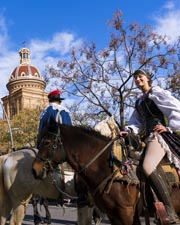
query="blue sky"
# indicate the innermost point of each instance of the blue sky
(50, 28)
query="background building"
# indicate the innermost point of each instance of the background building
(26, 87)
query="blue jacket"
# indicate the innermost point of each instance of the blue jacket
(58, 112)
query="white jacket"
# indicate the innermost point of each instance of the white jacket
(169, 106)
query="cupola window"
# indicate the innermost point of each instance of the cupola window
(23, 74)
(25, 55)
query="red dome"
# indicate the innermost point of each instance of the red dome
(25, 71)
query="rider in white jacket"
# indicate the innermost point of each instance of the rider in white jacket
(152, 111)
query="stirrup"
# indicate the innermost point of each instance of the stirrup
(175, 221)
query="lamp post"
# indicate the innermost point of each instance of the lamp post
(9, 127)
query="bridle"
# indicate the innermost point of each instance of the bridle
(49, 161)
(57, 142)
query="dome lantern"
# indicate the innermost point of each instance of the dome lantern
(24, 54)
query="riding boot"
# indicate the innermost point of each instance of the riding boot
(160, 188)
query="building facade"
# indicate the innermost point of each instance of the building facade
(26, 87)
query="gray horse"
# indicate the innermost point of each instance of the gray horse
(17, 185)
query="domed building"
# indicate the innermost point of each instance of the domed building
(26, 87)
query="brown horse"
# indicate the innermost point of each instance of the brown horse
(89, 153)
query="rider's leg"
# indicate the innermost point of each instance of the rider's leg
(153, 156)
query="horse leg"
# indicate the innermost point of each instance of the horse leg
(96, 216)
(125, 216)
(37, 216)
(2, 220)
(4, 212)
(5, 208)
(84, 211)
(5, 202)
(47, 219)
(138, 212)
(84, 215)
(18, 210)
(18, 215)
(136, 220)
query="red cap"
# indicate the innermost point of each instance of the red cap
(55, 96)
(53, 93)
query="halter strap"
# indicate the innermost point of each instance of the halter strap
(58, 138)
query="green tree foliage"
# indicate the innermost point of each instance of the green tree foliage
(4, 136)
(100, 81)
(24, 130)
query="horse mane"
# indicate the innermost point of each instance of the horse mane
(53, 126)
(92, 131)
(88, 130)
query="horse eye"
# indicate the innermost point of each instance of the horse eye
(46, 142)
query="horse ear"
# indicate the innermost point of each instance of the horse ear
(52, 121)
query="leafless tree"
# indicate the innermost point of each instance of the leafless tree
(101, 80)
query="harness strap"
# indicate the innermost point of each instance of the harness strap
(61, 144)
(104, 182)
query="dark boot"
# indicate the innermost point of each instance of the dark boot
(160, 188)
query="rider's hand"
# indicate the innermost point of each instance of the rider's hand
(123, 133)
(160, 128)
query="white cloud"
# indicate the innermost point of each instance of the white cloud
(9, 60)
(169, 5)
(48, 52)
(167, 20)
(60, 43)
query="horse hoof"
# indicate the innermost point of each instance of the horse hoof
(38, 222)
(47, 221)
(97, 221)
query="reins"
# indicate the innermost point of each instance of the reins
(89, 163)
(54, 182)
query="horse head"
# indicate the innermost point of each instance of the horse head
(49, 142)
(108, 127)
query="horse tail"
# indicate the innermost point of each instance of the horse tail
(2, 185)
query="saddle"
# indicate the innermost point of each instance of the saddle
(127, 157)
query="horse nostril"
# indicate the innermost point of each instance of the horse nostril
(39, 175)
(34, 173)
